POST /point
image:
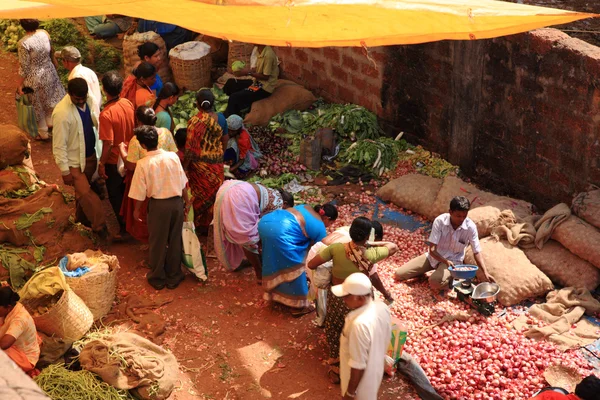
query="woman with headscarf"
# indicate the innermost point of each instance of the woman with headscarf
(242, 151)
(203, 159)
(286, 236)
(132, 153)
(238, 208)
(18, 335)
(355, 256)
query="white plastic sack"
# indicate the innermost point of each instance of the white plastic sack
(192, 252)
(321, 301)
(190, 50)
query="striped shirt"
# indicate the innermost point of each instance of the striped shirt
(159, 175)
(451, 243)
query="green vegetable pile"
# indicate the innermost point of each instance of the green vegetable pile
(10, 33)
(274, 182)
(379, 155)
(60, 383)
(12, 260)
(185, 108)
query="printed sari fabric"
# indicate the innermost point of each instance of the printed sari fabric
(237, 211)
(284, 249)
(204, 151)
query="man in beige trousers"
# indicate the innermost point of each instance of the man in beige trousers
(450, 235)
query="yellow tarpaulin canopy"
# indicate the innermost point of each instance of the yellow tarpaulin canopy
(316, 23)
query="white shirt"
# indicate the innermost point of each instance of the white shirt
(93, 85)
(68, 141)
(451, 243)
(159, 175)
(365, 339)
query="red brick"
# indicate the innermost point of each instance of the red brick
(339, 74)
(345, 95)
(359, 51)
(332, 53)
(349, 63)
(367, 102)
(329, 89)
(379, 55)
(318, 66)
(369, 69)
(283, 51)
(311, 78)
(301, 55)
(360, 83)
(291, 69)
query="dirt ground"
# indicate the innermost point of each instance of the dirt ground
(229, 343)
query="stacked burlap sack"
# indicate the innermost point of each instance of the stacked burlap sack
(130, 52)
(557, 245)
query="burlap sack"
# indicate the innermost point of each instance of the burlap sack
(586, 206)
(286, 96)
(510, 268)
(580, 238)
(14, 145)
(414, 192)
(131, 58)
(564, 267)
(453, 186)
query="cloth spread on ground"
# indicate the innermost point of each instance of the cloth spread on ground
(563, 311)
(550, 220)
(128, 361)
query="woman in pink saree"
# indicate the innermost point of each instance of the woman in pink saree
(238, 207)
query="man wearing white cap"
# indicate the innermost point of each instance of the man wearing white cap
(364, 340)
(71, 59)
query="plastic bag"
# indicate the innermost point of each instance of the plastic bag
(193, 257)
(321, 301)
(26, 115)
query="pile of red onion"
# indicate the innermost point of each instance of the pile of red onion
(481, 358)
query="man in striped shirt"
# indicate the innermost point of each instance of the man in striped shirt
(450, 235)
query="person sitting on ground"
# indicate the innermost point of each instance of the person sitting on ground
(262, 85)
(450, 235)
(117, 121)
(366, 336)
(18, 335)
(242, 151)
(107, 26)
(587, 389)
(162, 106)
(357, 255)
(71, 60)
(75, 125)
(238, 207)
(159, 177)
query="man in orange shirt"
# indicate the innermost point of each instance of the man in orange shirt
(117, 121)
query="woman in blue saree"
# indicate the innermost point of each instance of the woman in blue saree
(286, 236)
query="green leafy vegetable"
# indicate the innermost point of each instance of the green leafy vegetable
(26, 220)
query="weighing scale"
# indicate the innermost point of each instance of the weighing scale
(481, 297)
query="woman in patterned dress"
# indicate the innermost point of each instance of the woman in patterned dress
(203, 159)
(38, 72)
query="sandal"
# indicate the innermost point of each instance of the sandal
(303, 311)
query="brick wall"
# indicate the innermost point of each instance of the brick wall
(519, 114)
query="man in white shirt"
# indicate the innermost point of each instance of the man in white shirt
(450, 235)
(159, 177)
(74, 142)
(71, 60)
(365, 339)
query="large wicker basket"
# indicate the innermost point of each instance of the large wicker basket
(68, 319)
(191, 74)
(239, 51)
(130, 52)
(97, 290)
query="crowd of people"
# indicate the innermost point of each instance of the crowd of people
(156, 176)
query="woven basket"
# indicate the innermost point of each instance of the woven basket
(68, 319)
(130, 52)
(96, 290)
(192, 74)
(219, 48)
(239, 51)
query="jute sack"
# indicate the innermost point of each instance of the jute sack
(564, 267)
(131, 58)
(510, 268)
(14, 145)
(580, 238)
(586, 206)
(453, 186)
(414, 192)
(286, 96)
